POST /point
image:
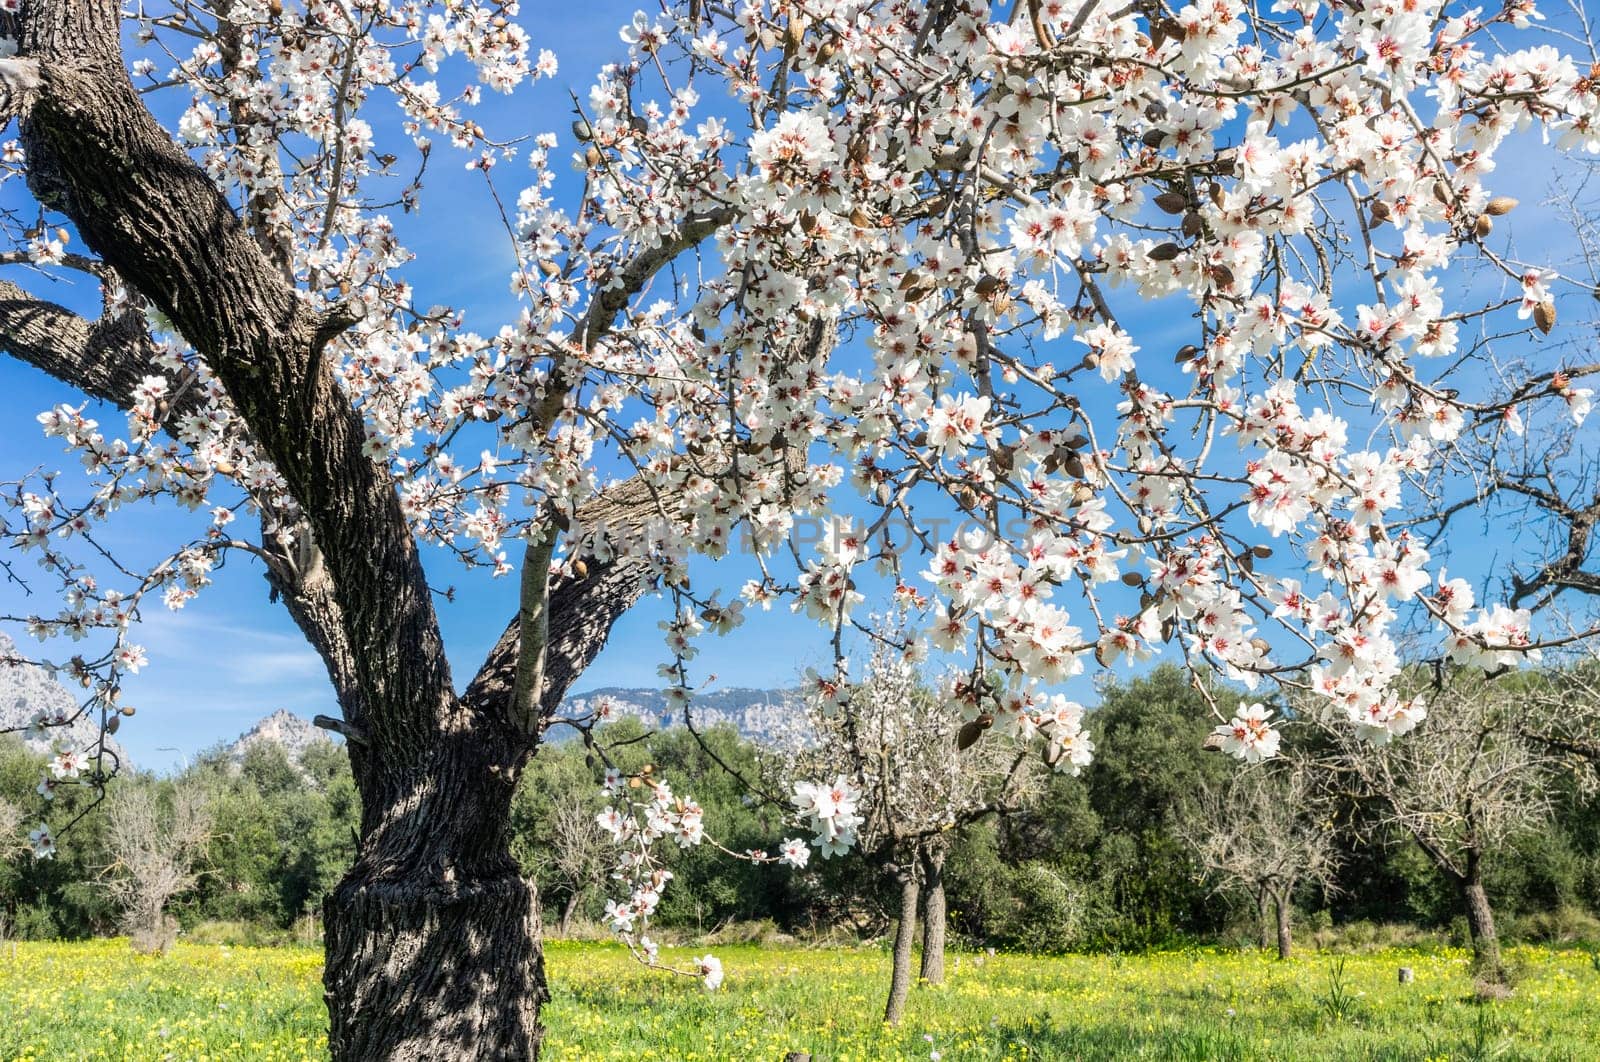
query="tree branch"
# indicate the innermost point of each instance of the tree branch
(141, 204)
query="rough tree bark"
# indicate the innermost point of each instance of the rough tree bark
(1486, 964)
(904, 935)
(432, 937)
(934, 916)
(1263, 923)
(1281, 900)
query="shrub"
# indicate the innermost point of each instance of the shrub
(34, 921)
(1563, 925)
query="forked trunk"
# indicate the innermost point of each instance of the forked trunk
(432, 937)
(1263, 923)
(904, 934)
(933, 918)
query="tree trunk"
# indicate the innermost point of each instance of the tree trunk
(1285, 909)
(933, 917)
(1486, 965)
(1263, 924)
(432, 937)
(569, 909)
(900, 982)
(443, 970)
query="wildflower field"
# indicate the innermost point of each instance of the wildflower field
(100, 1001)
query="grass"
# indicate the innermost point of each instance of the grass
(98, 1000)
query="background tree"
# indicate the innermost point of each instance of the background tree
(1148, 734)
(12, 847)
(1264, 834)
(157, 840)
(1473, 786)
(579, 855)
(916, 772)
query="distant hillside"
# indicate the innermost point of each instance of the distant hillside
(26, 689)
(768, 716)
(282, 728)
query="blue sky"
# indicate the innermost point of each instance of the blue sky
(232, 656)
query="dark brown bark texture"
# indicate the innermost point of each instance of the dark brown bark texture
(905, 934)
(1285, 910)
(934, 917)
(432, 937)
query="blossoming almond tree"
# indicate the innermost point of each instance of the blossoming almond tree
(876, 257)
(906, 775)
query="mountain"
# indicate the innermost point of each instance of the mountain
(27, 689)
(771, 717)
(282, 728)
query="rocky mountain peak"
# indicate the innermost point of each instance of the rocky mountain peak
(28, 689)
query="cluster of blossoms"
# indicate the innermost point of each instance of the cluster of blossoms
(830, 810)
(1249, 734)
(916, 296)
(635, 827)
(643, 811)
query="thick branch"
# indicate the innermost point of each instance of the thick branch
(581, 610)
(533, 629)
(104, 359)
(150, 213)
(637, 273)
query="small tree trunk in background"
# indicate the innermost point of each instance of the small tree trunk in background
(933, 917)
(1285, 934)
(1263, 924)
(568, 910)
(900, 982)
(1480, 924)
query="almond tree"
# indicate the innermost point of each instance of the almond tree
(1265, 834)
(908, 773)
(1468, 784)
(879, 258)
(156, 845)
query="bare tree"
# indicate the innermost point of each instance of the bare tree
(10, 823)
(156, 845)
(1560, 711)
(580, 853)
(1265, 833)
(1470, 783)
